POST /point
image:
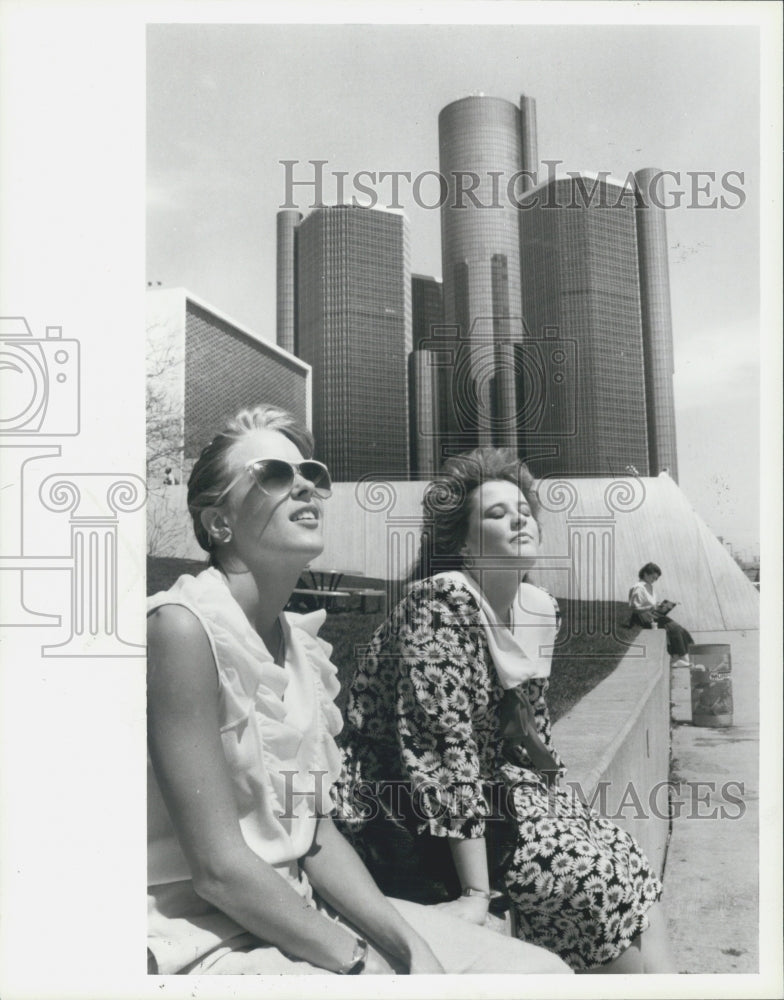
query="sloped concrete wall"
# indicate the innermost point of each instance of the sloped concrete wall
(596, 534)
(616, 744)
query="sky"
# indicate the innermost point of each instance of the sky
(227, 103)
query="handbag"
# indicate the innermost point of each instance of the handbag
(419, 867)
(517, 726)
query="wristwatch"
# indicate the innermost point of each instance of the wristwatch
(470, 891)
(356, 963)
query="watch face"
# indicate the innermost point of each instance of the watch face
(358, 959)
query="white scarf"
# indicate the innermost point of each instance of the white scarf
(524, 650)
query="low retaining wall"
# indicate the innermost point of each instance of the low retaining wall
(616, 744)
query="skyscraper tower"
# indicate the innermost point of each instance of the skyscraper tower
(529, 143)
(561, 315)
(425, 395)
(427, 307)
(583, 386)
(484, 144)
(287, 222)
(428, 381)
(353, 290)
(656, 327)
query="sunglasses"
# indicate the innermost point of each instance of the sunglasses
(275, 477)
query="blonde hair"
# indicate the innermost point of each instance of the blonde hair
(210, 474)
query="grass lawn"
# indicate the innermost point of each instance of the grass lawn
(584, 656)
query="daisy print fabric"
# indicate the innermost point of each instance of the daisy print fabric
(423, 712)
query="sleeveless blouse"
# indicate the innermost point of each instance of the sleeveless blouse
(277, 727)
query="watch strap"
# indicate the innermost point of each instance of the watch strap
(481, 893)
(356, 963)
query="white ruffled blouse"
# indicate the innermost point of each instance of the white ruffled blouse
(277, 726)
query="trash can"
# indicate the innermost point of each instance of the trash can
(711, 685)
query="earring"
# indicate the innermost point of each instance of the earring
(468, 560)
(222, 535)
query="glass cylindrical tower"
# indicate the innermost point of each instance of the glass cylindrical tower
(656, 326)
(484, 145)
(287, 222)
(480, 154)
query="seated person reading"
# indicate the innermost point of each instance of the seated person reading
(649, 612)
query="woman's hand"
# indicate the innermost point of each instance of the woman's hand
(341, 879)
(470, 908)
(421, 961)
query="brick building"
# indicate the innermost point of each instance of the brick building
(202, 368)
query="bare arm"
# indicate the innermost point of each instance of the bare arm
(470, 860)
(452, 764)
(338, 874)
(190, 766)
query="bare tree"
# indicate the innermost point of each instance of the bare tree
(165, 433)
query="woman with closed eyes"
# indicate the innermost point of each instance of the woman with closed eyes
(247, 873)
(449, 700)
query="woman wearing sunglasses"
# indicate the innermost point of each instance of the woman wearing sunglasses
(247, 873)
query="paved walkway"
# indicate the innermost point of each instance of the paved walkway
(712, 870)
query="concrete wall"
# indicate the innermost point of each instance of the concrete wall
(616, 744)
(596, 534)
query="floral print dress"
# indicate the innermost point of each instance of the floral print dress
(423, 709)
